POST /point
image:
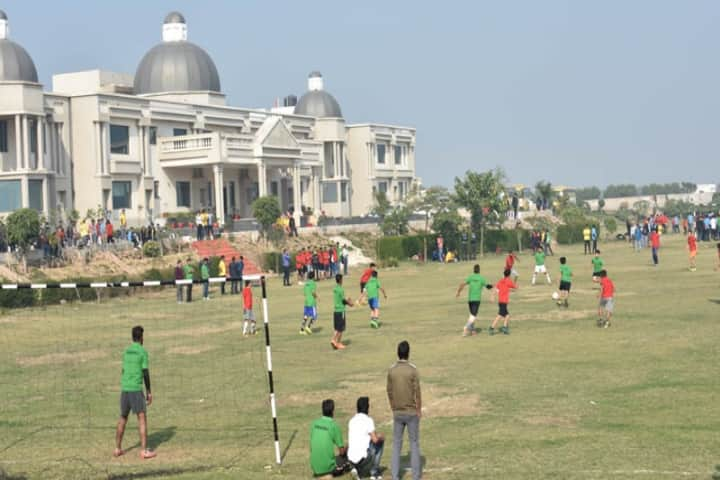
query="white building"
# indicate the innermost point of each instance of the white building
(164, 141)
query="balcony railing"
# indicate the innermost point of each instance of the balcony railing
(186, 143)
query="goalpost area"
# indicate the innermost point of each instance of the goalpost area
(557, 398)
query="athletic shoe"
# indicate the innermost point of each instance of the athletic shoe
(505, 331)
(606, 325)
(600, 322)
(354, 474)
(308, 330)
(303, 332)
(491, 331)
(375, 477)
(374, 324)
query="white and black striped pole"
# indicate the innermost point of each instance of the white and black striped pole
(271, 384)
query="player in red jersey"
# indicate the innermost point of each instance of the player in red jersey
(503, 289)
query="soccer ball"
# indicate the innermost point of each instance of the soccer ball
(555, 296)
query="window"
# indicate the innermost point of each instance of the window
(182, 192)
(119, 139)
(32, 125)
(329, 192)
(152, 134)
(274, 189)
(3, 136)
(179, 132)
(401, 190)
(399, 155)
(35, 191)
(156, 189)
(329, 158)
(343, 192)
(382, 187)
(121, 195)
(10, 195)
(210, 199)
(380, 147)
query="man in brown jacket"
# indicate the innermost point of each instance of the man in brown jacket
(403, 389)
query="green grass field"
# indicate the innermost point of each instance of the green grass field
(558, 398)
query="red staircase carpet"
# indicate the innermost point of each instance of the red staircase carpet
(215, 248)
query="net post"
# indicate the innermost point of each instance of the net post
(271, 384)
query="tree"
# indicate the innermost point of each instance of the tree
(545, 192)
(395, 222)
(23, 228)
(622, 190)
(382, 205)
(447, 223)
(587, 193)
(266, 211)
(601, 204)
(430, 202)
(482, 195)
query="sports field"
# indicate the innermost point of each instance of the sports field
(558, 398)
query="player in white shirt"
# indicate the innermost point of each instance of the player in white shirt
(365, 446)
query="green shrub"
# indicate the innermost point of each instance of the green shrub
(271, 261)
(151, 249)
(20, 298)
(388, 247)
(390, 262)
(570, 233)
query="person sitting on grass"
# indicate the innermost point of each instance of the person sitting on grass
(365, 445)
(325, 438)
(134, 372)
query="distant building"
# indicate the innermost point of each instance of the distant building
(164, 141)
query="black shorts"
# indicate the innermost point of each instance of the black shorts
(134, 401)
(339, 321)
(565, 286)
(362, 287)
(503, 310)
(474, 307)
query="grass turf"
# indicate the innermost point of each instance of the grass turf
(558, 398)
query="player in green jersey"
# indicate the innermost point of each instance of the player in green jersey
(134, 373)
(310, 308)
(540, 266)
(565, 282)
(475, 283)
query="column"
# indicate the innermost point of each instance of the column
(262, 180)
(141, 148)
(297, 198)
(218, 187)
(54, 149)
(18, 143)
(26, 143)
(316, 190)
(25, 191)
(40, 154)
(148, 157)
(98, 149)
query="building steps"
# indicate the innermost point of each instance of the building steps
(218, 247)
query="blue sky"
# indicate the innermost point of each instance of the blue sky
(578, 93)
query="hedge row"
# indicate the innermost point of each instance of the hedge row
(404, 247)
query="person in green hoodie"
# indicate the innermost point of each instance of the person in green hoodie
(189, 271)
(205, 277)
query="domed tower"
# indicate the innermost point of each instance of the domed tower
(178, 68)
(317, 102)
(15, 63)
(329, 128)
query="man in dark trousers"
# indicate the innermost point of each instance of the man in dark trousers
(403, 390)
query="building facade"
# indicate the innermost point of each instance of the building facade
(164, 141)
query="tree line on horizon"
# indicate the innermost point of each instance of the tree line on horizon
(631, 190)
